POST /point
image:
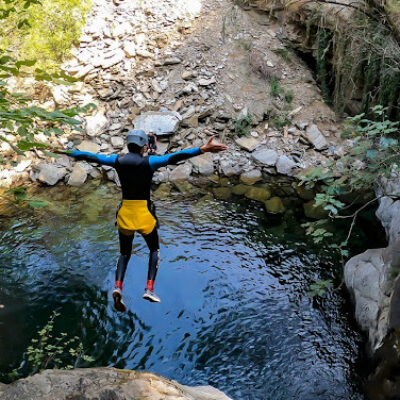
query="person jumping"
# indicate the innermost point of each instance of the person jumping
(136, 212)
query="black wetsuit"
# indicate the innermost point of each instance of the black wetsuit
(136, 212)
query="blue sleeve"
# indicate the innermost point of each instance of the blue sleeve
(173, 158)
(101, 159)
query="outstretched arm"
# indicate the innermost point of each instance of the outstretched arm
(101, 159)
(173, 158)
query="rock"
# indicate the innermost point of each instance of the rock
(130, 49)
(316, 138)
(117, 56)
(240, 190)
(366, 276)
(301, 125)
(230, 167)
(50, 174)
(258, 194)
(274, 205)
(313, 212)
(96, 124)
(171, 61)
(118, 142)
(162, 175)
(190, 88)
(144, 53)
(192, 122)
(60, 95)
(160, 122)
(162, 192)
(186, 75)
(251, 177)
(247, 143)
(303, 193)
(265, 157)
(181, 173)
(203, 164)
(222, 193)
(186, 188)
(78, 176)
(89, 146)
(80, 71)
(389, 214)
(206, 82)
(284, 165)
(162, 147)
(105, 384)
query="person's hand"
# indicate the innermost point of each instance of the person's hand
(212, 147)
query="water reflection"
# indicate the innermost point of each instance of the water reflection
(234, 311)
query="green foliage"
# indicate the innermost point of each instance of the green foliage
(242, 125)
(44, 30)
(284, 53)
(375, 154)
(17, 116)
(275, 88)
(50, 351)
(245, 44)
(319, 288)
(323, 43)
(20, 119)
(289, 97)
(281, 120)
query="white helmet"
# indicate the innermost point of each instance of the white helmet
(137, 136)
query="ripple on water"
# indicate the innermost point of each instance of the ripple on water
(234, 311)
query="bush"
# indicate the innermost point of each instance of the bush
(47, 30)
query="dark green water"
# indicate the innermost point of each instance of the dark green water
(233, 283)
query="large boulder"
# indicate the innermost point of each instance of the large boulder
(160, 122)
(274, 205)
(251, 177)
(50, 174)
(284, 165)
(258, 194)
(96, 124)
(203, 164)
(181, 173)
(266, 157)
(316, 138)
(367, 277)
(247, 143)
(78, 175)
(89, 146)
(104, 383)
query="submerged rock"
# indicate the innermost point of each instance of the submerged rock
(311, 211)
(275, 206)
(222, 193)
(258, 194)
(104, 383)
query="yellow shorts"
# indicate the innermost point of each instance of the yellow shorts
(134, 216)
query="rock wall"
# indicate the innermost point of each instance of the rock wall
(372, 277)
(103, 384)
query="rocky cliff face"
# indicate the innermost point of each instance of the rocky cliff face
(103, 384)
(372, 276)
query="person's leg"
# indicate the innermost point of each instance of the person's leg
(154, 261)
(125, 244)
